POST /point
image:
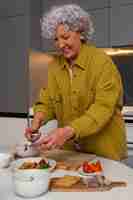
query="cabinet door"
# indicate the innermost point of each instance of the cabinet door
(3, 78)
(14, 42)
(88, 5)
(122, 25)
(14, 7)
(120, 2)
(129, 129)
(35, 26)
(101, 25)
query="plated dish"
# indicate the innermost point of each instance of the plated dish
(33, 163)
(91, 168)
(41, 164)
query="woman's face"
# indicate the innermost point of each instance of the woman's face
(68, 42)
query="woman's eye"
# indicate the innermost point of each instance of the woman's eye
(66, 37)
(55, 39)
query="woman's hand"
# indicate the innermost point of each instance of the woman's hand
(32, 132)
(32, 135)
(55, 139)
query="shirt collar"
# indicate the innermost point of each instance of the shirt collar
(80, 60)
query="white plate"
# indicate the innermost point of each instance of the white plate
(16, 164)
(5, 160)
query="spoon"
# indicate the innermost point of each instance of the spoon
(34, 137)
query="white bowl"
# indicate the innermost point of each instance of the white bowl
(5, 159)
(31, 182)
(31, 151)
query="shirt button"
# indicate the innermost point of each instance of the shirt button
(74, 91)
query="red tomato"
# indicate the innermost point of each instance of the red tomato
(92, 167)
(98, 166)
(87, 168)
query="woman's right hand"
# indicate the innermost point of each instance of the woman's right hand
(32, 135)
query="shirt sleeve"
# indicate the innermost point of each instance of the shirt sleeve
(108, 94)
(44, 103)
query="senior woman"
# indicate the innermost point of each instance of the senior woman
(84, 90)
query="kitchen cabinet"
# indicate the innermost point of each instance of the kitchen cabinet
(35, 26)
(88, 5)
(20, 31)
(13, 7)
(3, 83)
(120, 2)
(129, 129)
(101, 25)
(121, 25)
(14, 43)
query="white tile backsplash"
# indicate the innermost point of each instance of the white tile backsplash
(11, 130)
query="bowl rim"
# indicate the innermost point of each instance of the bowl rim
(14, 165)
(4, 155)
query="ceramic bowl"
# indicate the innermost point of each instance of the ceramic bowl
(5, 159)
(23, 152)
(31, 182)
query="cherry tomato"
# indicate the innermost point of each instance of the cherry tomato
(92, 167)
(87, 168)
(98, 166)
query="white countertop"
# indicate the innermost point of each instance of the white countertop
(112, 169)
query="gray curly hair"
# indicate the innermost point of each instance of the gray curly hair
(71, 15)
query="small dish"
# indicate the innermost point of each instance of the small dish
(91, 168)
(82, 173)
(24, 150)
(5, 159)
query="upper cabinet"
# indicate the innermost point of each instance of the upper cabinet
(35, 27)
(88, 5)
(101, 26)
(13, 7)
(14, 43)
(20, 31)
(122, 25)
(120, 2)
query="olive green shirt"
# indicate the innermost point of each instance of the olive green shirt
(89, 99)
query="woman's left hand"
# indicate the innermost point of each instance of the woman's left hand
(55, 139)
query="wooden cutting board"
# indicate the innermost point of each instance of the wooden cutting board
(81, 187)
